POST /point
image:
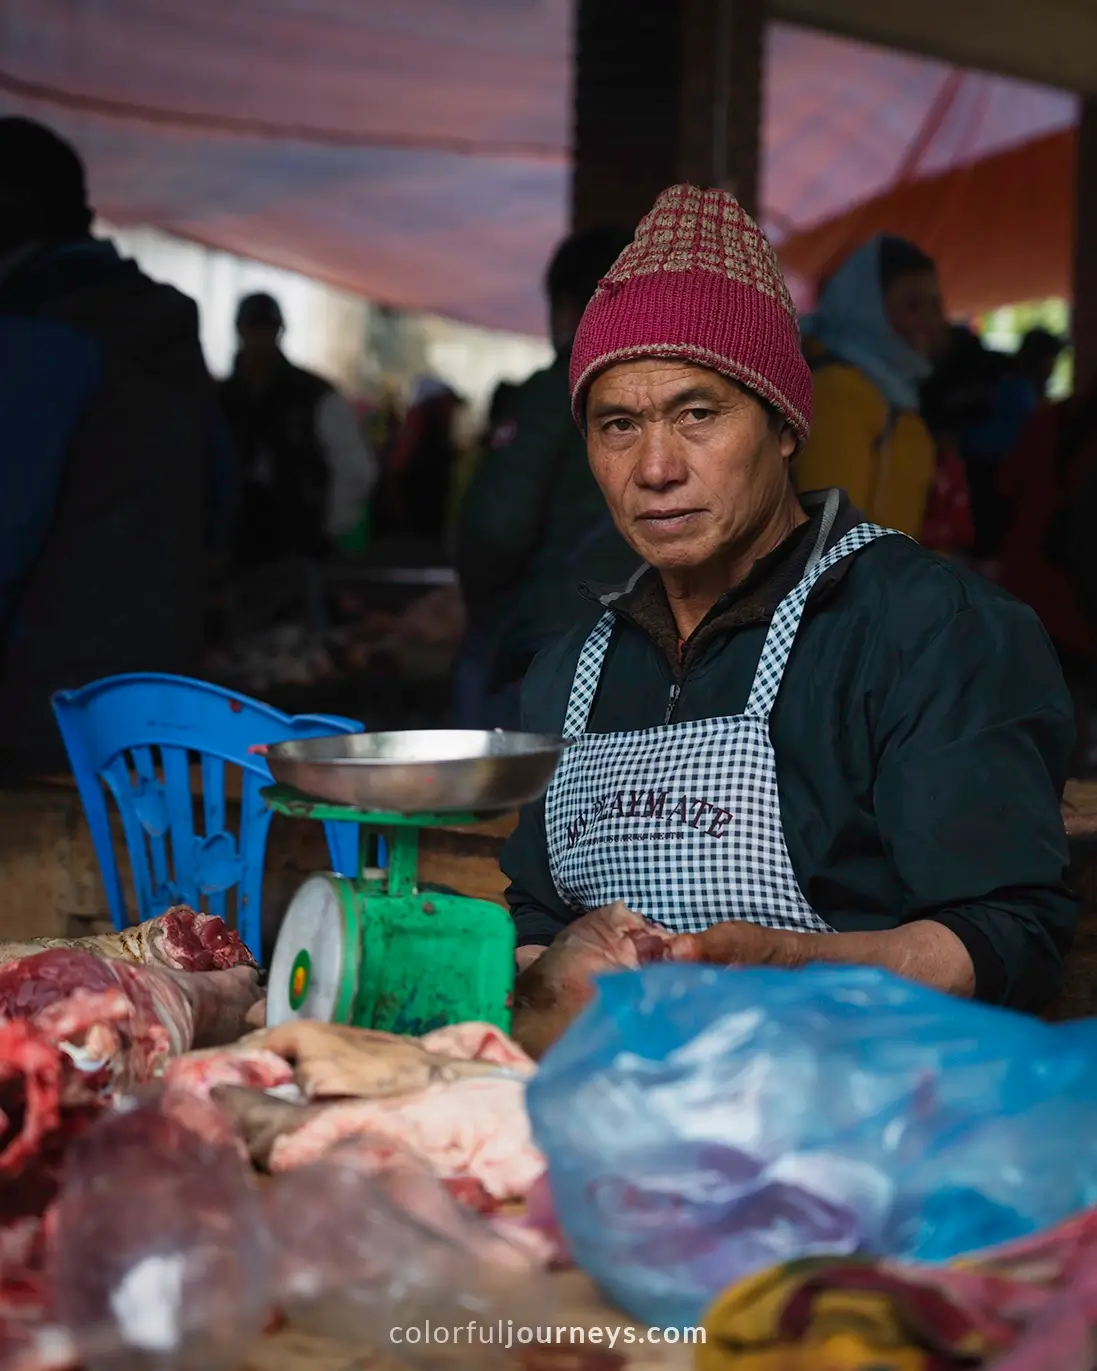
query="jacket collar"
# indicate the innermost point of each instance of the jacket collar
(642, 600)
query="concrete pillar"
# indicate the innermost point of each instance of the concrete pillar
(665, 91)
(1084, 324)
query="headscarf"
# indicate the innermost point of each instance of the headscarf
(850, 323)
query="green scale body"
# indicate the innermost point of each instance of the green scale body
(380, 951)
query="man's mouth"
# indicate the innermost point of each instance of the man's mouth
(667, 520)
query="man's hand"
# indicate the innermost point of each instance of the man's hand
(551, 991)
(527, 955)
(736, 943)
(919, 951)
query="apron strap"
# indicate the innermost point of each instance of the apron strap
(584, 685)
(779, 639)
(786, 619)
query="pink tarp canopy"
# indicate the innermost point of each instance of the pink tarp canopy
(415, 151)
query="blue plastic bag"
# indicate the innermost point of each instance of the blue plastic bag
(703, 1123)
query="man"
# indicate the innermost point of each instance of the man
(800, 737)
(105, 422)
(305, 468)
(533, 524)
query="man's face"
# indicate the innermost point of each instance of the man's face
(690, 464)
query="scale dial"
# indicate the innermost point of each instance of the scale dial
(314, 970)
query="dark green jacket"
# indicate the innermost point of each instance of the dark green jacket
(922, 736)
(533, 523)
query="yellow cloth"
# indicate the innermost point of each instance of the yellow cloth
(796, 1318)
(888, 480)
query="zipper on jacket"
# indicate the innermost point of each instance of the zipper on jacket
(675, 691)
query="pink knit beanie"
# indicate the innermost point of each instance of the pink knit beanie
(699, 282)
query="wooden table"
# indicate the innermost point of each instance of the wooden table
(576, 1305)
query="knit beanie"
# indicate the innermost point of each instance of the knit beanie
(699, 283)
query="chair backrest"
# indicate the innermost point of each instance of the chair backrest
(139, 735)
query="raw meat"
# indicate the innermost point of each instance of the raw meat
(160, 1254)
(199, 1072)
(479, 1042)
(191, 1079)
(335, 1060)
(44, 1101)
(179, 939)
(408, 1183)
(538, 1227)
(185, 941)
(219, 1001)
(552, 991)
(471, 1128)
(117, 1024)
(28, 1342)
(471, 1194)
(362, 1248)
(650, 947)
(260, 1119)
(85, 1026)
(30, 1094)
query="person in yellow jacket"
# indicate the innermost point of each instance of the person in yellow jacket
(870, 343)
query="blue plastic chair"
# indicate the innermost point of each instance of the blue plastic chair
(114, 729)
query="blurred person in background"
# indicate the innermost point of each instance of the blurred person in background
(1049, 483)
(306, 469)
(413, 494)
(959, 393)
(870, 343)
(533, 523)
(495, 427)
(986, 441)
(111, 480)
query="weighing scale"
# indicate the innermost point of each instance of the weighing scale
(381, 950)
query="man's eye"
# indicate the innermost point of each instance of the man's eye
(697, 414)
(617, 425)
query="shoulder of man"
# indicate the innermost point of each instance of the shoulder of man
(917, 594)
(40, 356)
(310, 385)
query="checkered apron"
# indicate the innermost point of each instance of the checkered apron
(683, 822)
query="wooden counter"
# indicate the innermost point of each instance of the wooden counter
(575, 1304)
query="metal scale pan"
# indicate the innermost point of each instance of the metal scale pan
(422, 771)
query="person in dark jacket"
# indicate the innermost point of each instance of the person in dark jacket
(799, 737)
(305, 467)
(415, 490)
(107, 421)
(987, 443)
(533, 522)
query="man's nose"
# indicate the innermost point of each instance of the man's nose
(658, 463)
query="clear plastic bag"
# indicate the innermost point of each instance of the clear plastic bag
(159, 1255)
(373, 1252)
(702, 1123)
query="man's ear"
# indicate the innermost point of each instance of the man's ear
(788, 440)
